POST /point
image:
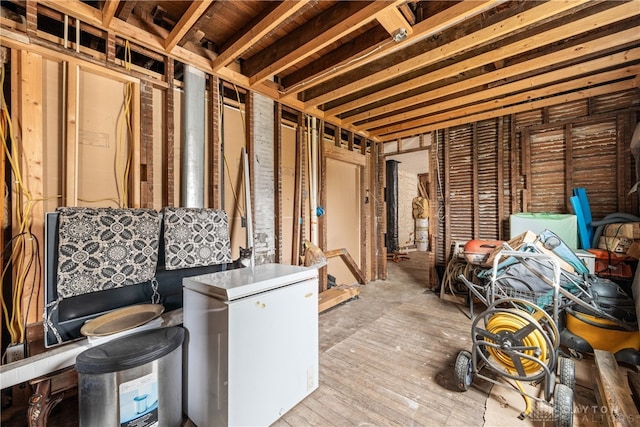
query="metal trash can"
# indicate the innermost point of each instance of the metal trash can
(135, 380)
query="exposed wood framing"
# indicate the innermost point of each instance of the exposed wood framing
(146, 145)
(277, 176)
(614, 391)
(454, 47)
(622, 161)
(474, 172)
(215, 146)
(30, 155)
(71, 144)
(447, 195)
(193, 13)
(305, 41)
(250, 129)
(428, 27)
(568, 165)
(381, 209)
(349, 262)
(514, 163)
(498, 75)
(322, 220)
(109, 11)
(500, 177)
(247, 38)
(298, 202)
(467, 101)
(168, 167)
(533, 105)
(526, 166)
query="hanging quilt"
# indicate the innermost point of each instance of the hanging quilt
(195, 237)
(105, 248)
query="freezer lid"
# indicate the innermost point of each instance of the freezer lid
(242, 282)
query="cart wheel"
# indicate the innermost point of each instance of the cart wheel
(464, 370)
(563, 406)
(567, 372)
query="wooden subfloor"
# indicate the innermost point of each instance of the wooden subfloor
(387, 359)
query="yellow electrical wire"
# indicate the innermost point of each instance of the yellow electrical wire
(24, 247)
(125, 121)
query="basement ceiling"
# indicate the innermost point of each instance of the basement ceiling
(389, 69)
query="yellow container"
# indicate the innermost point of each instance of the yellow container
(602, 334)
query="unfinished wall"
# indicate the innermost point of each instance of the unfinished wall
(233, 130)
(407, 190)
(103, 142)
(531, 162)
(288, 178)
(263, 165)
(343, 216)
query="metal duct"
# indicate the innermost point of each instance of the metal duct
(193, 122)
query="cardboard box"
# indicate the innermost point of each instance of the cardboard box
(529, 237)
(634, 249)
(619, 245)
(629, 230)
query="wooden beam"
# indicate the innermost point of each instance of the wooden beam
(109, 11)
(250, 36)
(614, 391)
(392, 20)
(31, 157)
(555, 100)
(305, 41)
(485, 35)
(156, 43)
(580, 50)
(334, 296)
(363, 46)
(462, 106)
(377, 49)
(190, 17)
(349, 262)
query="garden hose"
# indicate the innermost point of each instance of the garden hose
(521, 356)
(510, 322)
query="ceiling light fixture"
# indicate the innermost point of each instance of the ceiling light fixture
(399, 35)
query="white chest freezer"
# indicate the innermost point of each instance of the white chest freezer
(252, 343)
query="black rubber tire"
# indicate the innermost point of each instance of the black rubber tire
(464, 370)
(567, 372)
(562, 406)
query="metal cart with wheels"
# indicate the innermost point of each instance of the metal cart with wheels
(519, 341)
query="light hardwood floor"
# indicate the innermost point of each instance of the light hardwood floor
(387, 358)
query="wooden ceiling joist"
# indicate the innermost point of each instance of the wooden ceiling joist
(338, 60)
(303, 42)
(465, 105)
(250, 36)
(190, 17)
(533, 105)
(485, 35)
(368, 53)
(571, 53)
(109, 11)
